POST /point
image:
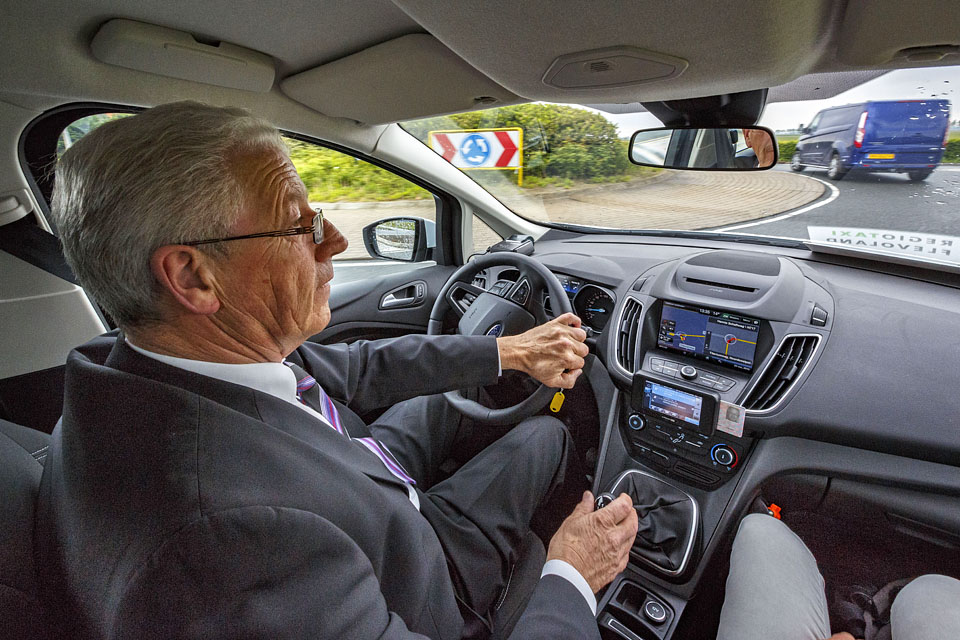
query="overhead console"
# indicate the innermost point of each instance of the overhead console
(701, 346)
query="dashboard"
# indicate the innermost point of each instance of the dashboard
(724, 366)
(863, 363)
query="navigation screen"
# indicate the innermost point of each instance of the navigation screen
(672, 402)
(712, 335)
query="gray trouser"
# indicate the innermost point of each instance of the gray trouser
(774, 590)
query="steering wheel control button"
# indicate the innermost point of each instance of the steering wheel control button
(724, 455)
(655, 612)
(636, 422)
(688, 372)
(522, 292)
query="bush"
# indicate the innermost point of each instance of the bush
(332, 176)
(952, 154)
(787, 148)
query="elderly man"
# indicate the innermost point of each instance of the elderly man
(211, 476)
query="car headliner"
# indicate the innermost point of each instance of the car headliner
(808, 50)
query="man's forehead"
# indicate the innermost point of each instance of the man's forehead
(271, 168)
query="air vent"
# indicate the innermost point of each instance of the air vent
(784, 369)
(627, 334)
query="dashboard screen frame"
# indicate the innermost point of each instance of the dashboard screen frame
(708, 407)
(707, 358)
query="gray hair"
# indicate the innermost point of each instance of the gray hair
(164, 176)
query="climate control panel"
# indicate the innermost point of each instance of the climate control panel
(706, 460)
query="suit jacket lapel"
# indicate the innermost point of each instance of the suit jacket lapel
(288, 418)
(258, 405)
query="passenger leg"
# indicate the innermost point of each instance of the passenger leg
(774, 589)
(927, 609)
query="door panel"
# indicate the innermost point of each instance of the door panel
(356, 311)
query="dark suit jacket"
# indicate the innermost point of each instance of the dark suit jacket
(175, 505)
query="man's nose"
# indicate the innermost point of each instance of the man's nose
(333, 243)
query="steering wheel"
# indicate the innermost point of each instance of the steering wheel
(510, 311)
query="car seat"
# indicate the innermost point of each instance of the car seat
(22, 452)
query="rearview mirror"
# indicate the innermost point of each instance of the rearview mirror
(713, 149)
(403, 239)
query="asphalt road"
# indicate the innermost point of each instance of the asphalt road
(873, 201)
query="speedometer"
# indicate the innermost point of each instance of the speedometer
(594, 306)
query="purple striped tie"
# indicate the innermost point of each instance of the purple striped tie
(312, 394)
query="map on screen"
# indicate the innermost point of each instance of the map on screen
(709, 334)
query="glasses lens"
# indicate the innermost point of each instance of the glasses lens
(318, 227)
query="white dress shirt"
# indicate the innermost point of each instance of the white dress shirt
(278, 380)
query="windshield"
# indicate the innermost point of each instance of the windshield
(874, 168)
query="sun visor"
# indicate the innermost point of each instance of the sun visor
(177, 54)
(413, 76)
(868, 38)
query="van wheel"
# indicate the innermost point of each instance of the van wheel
(836, 170)
(795, 162)
(919, 176)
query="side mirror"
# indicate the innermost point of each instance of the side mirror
(806, 130)
(707, 149)
(403, 239)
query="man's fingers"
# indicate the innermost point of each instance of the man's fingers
(585, 505)
(569, 319)
(581, 349)
(566, 380)
(627, 528)
(616, 511)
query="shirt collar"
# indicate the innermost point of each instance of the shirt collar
(273, 378)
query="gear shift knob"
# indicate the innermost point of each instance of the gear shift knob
(604, 499)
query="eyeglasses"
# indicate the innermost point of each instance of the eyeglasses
(316, 229)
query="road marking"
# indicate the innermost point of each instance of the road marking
(833, 196)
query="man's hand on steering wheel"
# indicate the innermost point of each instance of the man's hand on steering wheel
(552, 353)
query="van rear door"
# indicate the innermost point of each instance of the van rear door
(904, 132)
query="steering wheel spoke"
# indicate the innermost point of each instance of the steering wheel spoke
(460, 295)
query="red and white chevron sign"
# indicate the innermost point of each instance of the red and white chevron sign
(480, 148)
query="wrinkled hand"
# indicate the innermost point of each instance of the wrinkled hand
(552, 353)
(596, 543)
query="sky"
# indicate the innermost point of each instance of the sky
(906, 84)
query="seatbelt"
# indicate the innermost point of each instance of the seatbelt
(25, 240)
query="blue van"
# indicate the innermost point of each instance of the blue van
(905, 136)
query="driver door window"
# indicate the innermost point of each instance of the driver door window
(354, 193)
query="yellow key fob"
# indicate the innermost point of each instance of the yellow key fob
(557, 401)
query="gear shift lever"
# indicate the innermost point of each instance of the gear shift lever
(604, 499)
(669, 519)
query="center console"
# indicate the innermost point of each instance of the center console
(698, 349)
(671, 425)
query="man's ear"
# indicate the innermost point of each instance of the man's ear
(184, 273)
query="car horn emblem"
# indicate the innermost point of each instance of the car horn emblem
(495, 330)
